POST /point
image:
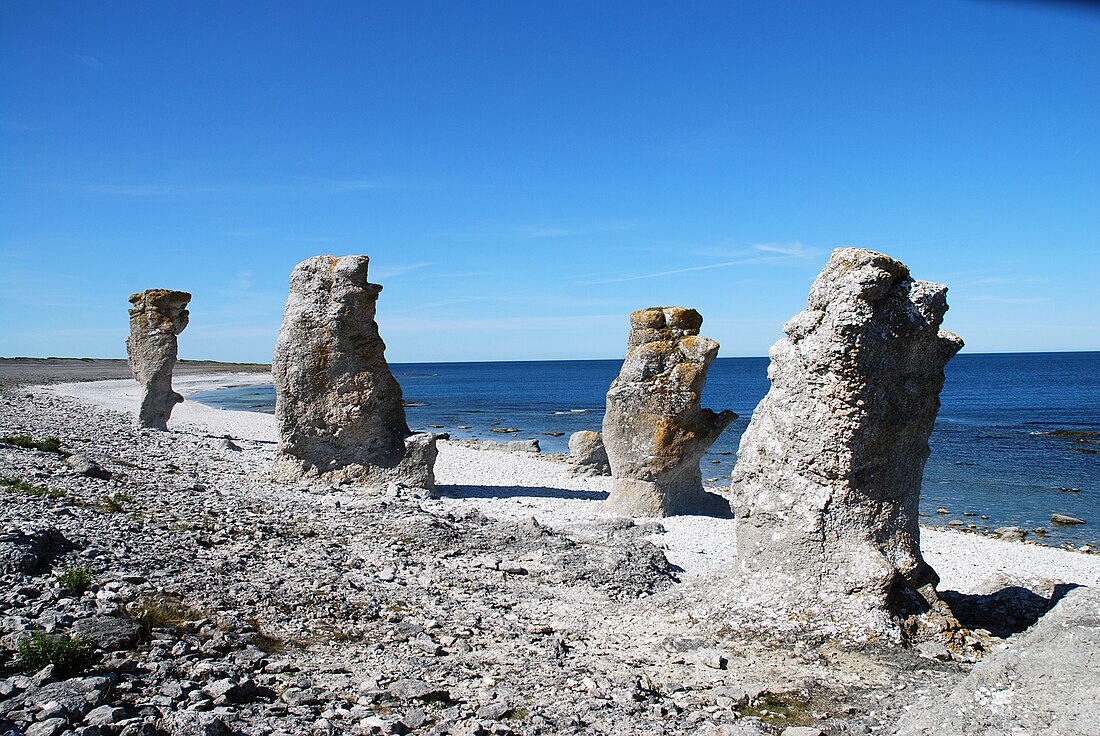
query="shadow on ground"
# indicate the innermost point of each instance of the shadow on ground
(519, 492)
(1006, 612)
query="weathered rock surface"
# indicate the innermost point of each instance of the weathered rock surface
(87, 467)
(587, 455)
(28, 547)
(1046, 681)
(157, 317)
(338, 406)
(655, 431)
(828, 472)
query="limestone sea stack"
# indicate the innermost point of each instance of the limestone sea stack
(337, 405)
(654, 430)
(828, 473)
(157, 317)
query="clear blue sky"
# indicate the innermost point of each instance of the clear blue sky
(525, 174)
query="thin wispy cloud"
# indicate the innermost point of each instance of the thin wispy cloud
(994, 299)
(540, 231)
(243, 281)
(390, 270)
(294, 187)
(490, 324)
(777, 254)
(90, 61)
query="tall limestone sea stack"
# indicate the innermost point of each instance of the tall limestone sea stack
(337, 405)
(829, 470)
(157, 317)
(654, 430)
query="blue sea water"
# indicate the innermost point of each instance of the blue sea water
(991, 453)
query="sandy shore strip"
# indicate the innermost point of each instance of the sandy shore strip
(514, 486)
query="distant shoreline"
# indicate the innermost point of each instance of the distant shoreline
(40, 371)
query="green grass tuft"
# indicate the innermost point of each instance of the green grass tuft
(50, 444)
(117, 502)
(69, 656)
(15, 485)
(76, 580)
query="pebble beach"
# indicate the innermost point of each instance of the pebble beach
(512, 604)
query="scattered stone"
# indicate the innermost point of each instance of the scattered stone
(194, 723)
(48, 727)
(933, 650)
(104, 715)
(587, 455)
(802, 731)
(157, 317)
(531, 446)
(654, 430)
(338, 406)
(87, 467)
(410, 689)
(1010, 533)
(827, 481)
(1064, 520)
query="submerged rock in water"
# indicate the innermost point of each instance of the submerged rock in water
(587, 455)
(655, 431)
(157, 317)
(337, 405)
(828, 474)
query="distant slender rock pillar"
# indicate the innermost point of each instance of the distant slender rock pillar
(337, 405)
(829, 470)
(158, 315)
(654, 430)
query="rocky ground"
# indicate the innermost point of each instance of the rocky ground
(219, 601)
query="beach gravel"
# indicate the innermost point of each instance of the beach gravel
(283, 608)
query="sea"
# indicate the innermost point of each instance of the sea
(1016, 439)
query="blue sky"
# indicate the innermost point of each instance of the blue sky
(523, 175)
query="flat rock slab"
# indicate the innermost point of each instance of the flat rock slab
(409, 689)
(110, 633)
(1046, 681)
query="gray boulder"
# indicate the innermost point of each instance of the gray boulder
(338, 406)
(655, 431)
(110, 633)
(1046, 681)
(587, 455)
(829, 469)
(28, 548)
(157, 317)
(87, 467)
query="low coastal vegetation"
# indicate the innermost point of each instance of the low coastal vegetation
(68, 655)
(76, 580)
(16, 485)
(27, 442)
(116, 502)
(159, 611)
